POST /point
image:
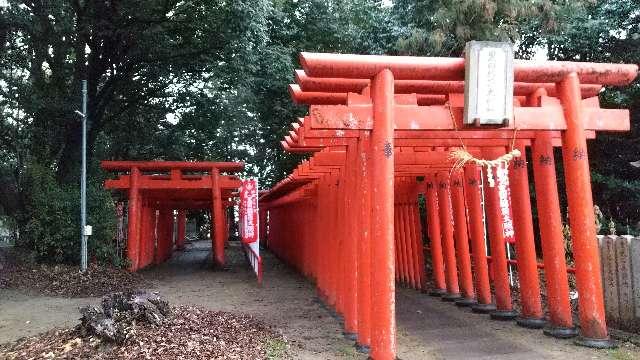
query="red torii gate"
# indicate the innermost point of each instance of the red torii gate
(382, 121)
(168, 186)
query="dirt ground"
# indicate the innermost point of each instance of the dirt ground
(427, 327)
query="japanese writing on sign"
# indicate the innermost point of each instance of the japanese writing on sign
(488, 94)
(249, 211)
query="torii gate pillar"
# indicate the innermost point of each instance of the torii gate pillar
(182, 229)
(548, 203)
(364, 246)
(383, 315)
(217, 221)
(593, 327)
(433, 227)
(133, 234)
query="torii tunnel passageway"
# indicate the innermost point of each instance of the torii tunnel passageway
(159, 193)
(380, 131)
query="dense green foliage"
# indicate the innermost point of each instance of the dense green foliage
(442, 27)
(206, 79)
(608, 31)
(51, 219)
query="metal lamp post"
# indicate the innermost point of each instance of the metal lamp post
(84, 232)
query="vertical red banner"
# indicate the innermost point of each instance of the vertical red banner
(249, 224)
(249, 211)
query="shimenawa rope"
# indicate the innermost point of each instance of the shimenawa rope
(462, 156)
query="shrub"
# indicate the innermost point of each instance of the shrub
(52, 219)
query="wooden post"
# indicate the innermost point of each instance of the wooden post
(364, 245)
(332, 242)
(409, 235)
(531, 314)
(165, 227)
(473, 197)
(217, 220)
(182, 229)
(147, 234)
(462, 240)
(324, 212)
(553, 255)
(498, 245)
(133, 229)
(350, 246)
(448, 245)
(435, 237)
(593, 327)
(398, 254)
(383, 336)
(418, 243)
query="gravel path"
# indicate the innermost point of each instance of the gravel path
(427, 327)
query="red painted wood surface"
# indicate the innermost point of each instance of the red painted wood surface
(421, 119)
(167, 186)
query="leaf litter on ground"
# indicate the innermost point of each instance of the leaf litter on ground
(67, 280)
(182, 332)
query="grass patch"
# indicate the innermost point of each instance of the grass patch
(348, 352)
(276, 349)
(621, 354)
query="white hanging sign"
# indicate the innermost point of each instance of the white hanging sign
(488, 88)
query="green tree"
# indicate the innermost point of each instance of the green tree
(168, 79)
(608, 31)
(138, 56)
(51, 219)
(442, 27)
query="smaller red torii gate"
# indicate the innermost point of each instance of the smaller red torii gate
(155, 189)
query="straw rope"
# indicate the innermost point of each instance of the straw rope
(462, 156)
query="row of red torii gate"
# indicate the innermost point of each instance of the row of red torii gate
(160, 193)
(382, 131)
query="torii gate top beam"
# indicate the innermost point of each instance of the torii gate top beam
(174, 185)
(439, 68)
(342, 85)
(230, 167)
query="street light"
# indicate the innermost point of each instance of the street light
(85, 230)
